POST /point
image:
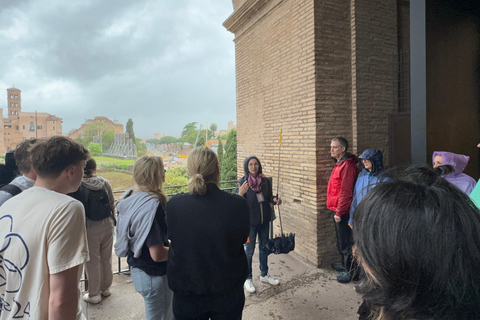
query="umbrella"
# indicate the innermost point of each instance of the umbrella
(283, 243)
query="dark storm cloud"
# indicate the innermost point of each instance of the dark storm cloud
(162, 63)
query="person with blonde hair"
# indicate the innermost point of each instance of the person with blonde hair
(207, 227)
(142, 236)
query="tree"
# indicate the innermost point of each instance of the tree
(141, 147)
(176, 176)
(129, 129)
(94, 149)
(220, 152)
(167, 139)
(213, 128)
(201, 138)
(189, 133)
(229, 162)
(97, 128)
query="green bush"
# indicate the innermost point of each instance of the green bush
(95, 149)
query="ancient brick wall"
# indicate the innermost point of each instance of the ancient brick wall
(316, 70)
(375, 69)
(333, 107)
(276, 90)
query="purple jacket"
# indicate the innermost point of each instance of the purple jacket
(457, 177)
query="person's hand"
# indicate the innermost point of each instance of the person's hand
(337, 218)
(277, 201)
(478, 145)
(242, 189)
(350, 225)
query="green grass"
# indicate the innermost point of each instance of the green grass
(118, 180)
(113, 161)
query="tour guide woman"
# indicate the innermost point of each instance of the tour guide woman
(257, 189)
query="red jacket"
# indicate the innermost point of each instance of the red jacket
(341, 185)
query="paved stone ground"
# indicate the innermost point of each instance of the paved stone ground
(304, 293)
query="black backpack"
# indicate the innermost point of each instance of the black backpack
(12, 189)
(97, 206)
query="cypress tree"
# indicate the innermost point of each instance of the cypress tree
(229, 161)
(220, 152)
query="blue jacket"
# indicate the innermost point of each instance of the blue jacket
(367, 179)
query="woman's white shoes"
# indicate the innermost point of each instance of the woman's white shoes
(269, 279)
(249, 286)
(94, 300)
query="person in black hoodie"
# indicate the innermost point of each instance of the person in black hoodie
(257, 189)
(207, 228)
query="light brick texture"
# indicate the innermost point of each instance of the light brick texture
(316, 70)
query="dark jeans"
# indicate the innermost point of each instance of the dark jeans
(262, 231)
(345, 243)
(225, 306)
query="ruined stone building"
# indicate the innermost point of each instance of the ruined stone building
(395, 75)
(20, 125)
(77, 133)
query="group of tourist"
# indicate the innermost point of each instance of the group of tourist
(415, 240)
(187, 254)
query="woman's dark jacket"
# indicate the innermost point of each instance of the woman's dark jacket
(207, 233)
(259, 212)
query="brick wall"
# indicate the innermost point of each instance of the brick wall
(2, 132)
(374, 64)
(316, 70)
(333, 106)
(276, 90)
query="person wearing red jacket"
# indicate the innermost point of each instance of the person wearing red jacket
(339, 197)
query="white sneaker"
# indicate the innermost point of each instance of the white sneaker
(249, 286)
(106, 293)
(269, 279)
(95, 299)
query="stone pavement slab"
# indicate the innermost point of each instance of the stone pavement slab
(304, 293)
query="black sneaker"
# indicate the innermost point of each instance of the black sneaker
(344, 278)
(338, 267)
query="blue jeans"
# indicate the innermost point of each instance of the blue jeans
(156, 294)
(262, 231)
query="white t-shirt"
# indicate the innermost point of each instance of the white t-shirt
(42, 232)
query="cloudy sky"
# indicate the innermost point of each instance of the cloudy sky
(163, 63)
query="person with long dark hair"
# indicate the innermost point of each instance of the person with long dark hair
(418, 239)
(142, 236)
(96, 195)
(257, 189)
(207, 228)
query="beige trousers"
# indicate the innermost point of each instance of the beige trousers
(99, 268)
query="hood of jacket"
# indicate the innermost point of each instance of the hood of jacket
(93, 183)
(376, 157)
(457, 161)
(245, 165)
(347, 156)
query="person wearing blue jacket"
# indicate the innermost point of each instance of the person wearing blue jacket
(372, 173)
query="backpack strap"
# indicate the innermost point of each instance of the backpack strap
(12, 189)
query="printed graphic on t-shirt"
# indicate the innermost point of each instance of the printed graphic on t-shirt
(11, 271)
